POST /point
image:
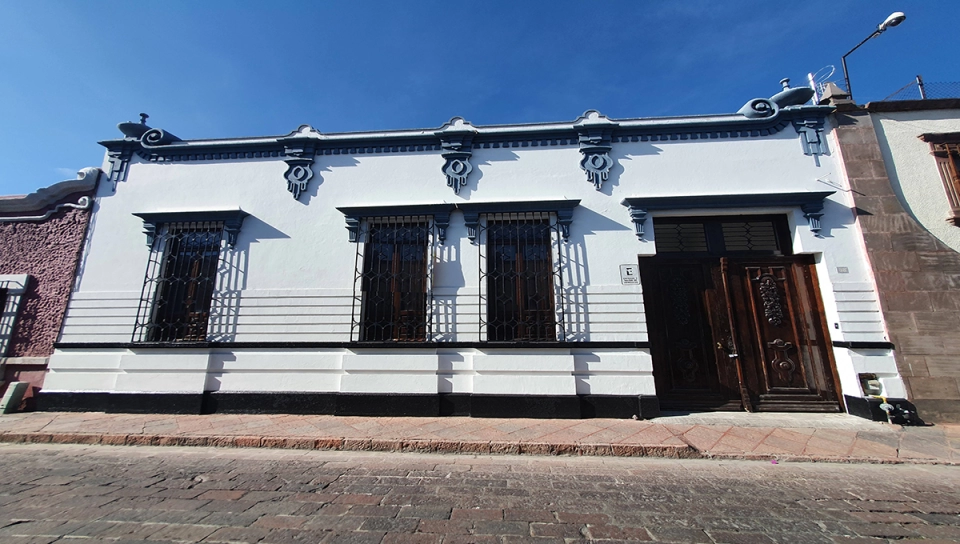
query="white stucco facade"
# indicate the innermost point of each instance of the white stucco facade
(283, 314)
(913, 170)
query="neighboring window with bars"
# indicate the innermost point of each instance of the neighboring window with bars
(13, 287)
(394, 280)
(945, 148)
(520, 279)
(719, 235)
(179, 283)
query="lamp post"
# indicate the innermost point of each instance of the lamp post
(893, 20)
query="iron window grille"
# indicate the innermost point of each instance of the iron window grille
(521, 278)
(393, 272)
(179, 282)
(13, 289)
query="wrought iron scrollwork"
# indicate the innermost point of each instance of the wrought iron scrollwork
(679, 300)
(772, 303)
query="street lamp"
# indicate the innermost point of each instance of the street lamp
(893, 20)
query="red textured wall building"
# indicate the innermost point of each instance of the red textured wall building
(41, 239)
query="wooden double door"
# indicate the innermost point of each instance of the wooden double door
(738, 333)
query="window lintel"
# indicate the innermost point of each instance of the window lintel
(232, 221)
(940, 137)
(471, 212)
(811, 202)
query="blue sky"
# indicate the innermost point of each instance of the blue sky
(70, 71)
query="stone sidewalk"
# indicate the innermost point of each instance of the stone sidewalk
(767, 436)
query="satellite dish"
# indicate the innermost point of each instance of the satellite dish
(819, 79)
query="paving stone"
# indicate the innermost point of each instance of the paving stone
(292, 536)
(447, 527)
(501, 528)
(243, 535)
(563, 498)
(190, 533)
(222, 494)
(725, 537)
(405, 538)
(474, 539)
(281, 522)
(679, 534)
(354, 538)
(229, 519)
(618, 533)
(424, 512)
(562, 530)
(476, 513)
(519, 514)
(390, 524)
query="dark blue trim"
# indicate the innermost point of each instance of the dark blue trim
(518, 206)
(690, 128)
(232, 221)
(354, 215)
(745, 200)
(811, 202)
(471, 213)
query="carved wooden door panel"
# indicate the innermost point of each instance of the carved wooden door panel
(779, 326)
(686, 324)
(734, 334)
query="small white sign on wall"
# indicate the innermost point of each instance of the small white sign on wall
(630, 274)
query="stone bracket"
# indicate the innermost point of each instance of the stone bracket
(298, 154)
(811, 136)
(456, 144)
(639, 217)
(812, 212)
(595, 135)
(119, 159)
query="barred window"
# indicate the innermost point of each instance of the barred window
(520, 278)
(179, 282)
(13, 288)
(394, 280)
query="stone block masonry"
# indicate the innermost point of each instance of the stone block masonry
(917, 275)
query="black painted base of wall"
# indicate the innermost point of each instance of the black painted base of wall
(349, 404)
(120, 403)
(905, 412)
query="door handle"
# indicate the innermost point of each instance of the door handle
(730, 353)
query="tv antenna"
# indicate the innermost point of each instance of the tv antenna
(820, 78)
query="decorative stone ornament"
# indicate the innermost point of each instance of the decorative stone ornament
(812, 212)
(638, 216)
(456, 142)
(299, 150)
(595, 131)
(759, 108)
(298, 175)
(811, 136)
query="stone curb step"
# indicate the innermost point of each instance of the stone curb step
(439, 446)
(359, 444)
(791, 458)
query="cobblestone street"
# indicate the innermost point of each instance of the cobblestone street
(73, 493)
